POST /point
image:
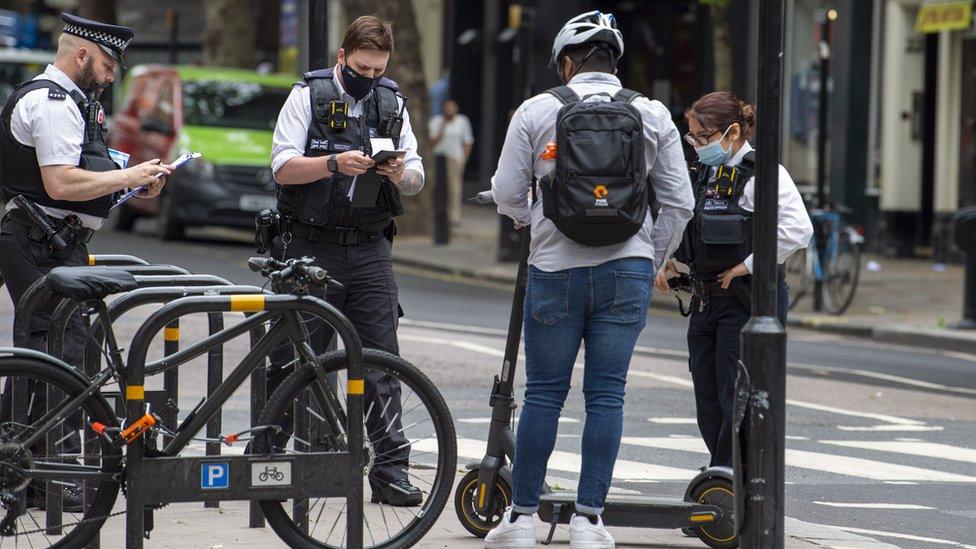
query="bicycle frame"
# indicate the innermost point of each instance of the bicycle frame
(322, 474)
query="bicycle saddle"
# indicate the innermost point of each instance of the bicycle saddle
(86, 283)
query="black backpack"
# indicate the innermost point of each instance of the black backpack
(598, 194)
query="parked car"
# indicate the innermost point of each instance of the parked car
(228, 115)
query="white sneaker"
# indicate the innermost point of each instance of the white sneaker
(512, 535)
(585, 535)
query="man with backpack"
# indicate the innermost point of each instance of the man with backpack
(575, 166)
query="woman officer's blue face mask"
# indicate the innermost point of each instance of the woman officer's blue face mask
(713, 154)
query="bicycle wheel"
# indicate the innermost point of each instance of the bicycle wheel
(798, 276)
(841, 275)
(28, 384)
(426, 434)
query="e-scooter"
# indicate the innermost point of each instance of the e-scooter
(485, 491)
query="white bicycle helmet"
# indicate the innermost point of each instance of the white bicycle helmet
(590, 27)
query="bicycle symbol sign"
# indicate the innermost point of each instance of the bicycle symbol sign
(277, 473)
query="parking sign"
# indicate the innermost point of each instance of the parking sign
(214, 476)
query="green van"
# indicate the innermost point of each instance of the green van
(227, 115)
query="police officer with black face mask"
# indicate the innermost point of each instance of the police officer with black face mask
(717, 247)
(56, 165)
(323, 143)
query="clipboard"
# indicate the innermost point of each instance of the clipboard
(183, 159)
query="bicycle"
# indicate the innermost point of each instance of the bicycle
(48, 406)
(831, 263)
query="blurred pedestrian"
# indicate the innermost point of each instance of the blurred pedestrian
(451, 136)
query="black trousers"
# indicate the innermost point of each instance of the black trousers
(714, 351)
(369, 299)
(23, 260)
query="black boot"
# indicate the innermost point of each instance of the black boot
(399, 493)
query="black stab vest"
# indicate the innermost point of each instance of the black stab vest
(325, 203)
(21, 174)
(719, 236)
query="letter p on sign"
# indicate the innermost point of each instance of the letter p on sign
(214, 475)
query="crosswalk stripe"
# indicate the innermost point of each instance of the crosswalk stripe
(914, 448)
(572, 462)
(889, 506)
(816, 461)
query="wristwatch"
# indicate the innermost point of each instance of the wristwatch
(332, 164)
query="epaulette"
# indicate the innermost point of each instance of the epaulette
(389, 84)
(56, 94)
(321, 73)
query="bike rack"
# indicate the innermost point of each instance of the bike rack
(324, 474)
(55, 347)
(158, 289)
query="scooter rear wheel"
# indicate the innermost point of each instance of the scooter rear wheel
(466, 509)
(718, 492)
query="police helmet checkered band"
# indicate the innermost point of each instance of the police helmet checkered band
(590, 27)
(113, 39)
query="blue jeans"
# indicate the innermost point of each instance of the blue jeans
(606, 306)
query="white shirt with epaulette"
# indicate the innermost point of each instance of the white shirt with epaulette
(55, 128)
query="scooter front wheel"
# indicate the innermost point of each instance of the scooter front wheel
(467, 509)
(718, 492)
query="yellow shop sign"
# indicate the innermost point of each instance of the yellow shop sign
(945, 16)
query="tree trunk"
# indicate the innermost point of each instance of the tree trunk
(100, 10)
(722, 40)
(229, 31)
(407, 69)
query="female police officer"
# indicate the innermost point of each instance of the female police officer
(717, 247)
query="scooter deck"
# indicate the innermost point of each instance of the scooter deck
(633, 510)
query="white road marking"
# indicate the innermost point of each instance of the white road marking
(892, 506)
(891, 428)
(817, 461)
(572, 462)
(908, 537)
(486, 420)
(794, 437)
(923, 449)
(674, 380)
(673, 420)
(888, 377)
(901, 482)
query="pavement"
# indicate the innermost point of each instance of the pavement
(881, 438)
(910, 302)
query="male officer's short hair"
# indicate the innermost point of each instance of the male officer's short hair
(368, 32)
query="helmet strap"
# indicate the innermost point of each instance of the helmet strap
(577, 67)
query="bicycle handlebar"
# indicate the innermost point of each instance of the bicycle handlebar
(284, 271)
(484, 198)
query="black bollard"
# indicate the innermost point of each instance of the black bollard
(964, 222)
(442, 225)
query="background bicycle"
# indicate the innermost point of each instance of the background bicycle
(830, 267)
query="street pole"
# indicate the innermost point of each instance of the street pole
(521, 19)
(758, 442)
(822, 109)
(318, 34)
(173, 21)
(489, 98)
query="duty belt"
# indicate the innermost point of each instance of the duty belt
(343, 236)
(78, 235)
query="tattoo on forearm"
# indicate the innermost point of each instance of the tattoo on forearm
(411, 183)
